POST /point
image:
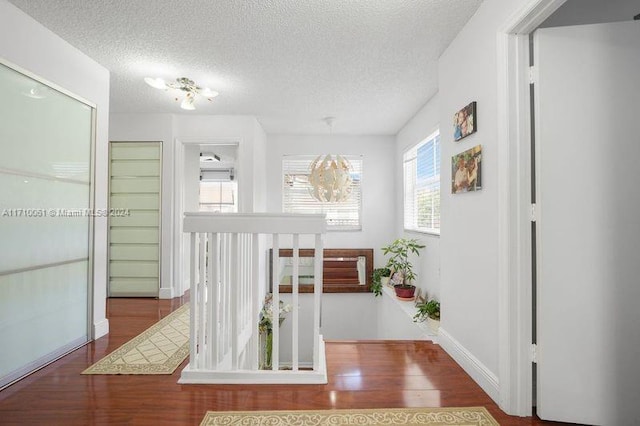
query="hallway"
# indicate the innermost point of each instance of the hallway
(361, 375)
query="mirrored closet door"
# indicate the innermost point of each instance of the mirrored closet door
(46, 225)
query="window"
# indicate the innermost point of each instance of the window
(296, 197)
(422, 186)
(218, 192)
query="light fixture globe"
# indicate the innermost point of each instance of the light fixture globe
(330, 178)
(185, 85)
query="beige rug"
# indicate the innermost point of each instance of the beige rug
(158, 350)
(467, 416)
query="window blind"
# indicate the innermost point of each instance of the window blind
(421, 165)
(218, 197)
(296, 196)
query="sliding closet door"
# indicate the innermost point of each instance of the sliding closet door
(134, 227)
(46, 140)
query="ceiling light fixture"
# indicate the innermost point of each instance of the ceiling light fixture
(185, 85)
(209, 157)
(329, 176)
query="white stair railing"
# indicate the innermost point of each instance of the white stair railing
(227, 291)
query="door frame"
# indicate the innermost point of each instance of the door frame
(179, 287)
(514, 213)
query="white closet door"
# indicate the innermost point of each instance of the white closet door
(134, 227)
(45, 200)
(588, 142)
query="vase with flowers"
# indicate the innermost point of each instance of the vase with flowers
(265, 327)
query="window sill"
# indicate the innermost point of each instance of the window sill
(409, 308)
(431, 233)
(332, 288)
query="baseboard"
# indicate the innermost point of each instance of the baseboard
(477, 370)
(165, 293)
(100, 328)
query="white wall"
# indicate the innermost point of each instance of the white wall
(188, 128)
(26, 43)
(378, 212)
(349, 316)
(469, 233)
(427, 265)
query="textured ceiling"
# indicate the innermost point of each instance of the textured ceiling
(369, 63)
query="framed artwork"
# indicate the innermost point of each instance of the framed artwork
(465, 122)
(396, 278)
(466, 171)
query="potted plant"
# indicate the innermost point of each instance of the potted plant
(431, 312)
(385, 276)
(403, 275)
(265, 327)
(379, 278)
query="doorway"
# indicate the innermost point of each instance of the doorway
(208, 177)
(516, 295)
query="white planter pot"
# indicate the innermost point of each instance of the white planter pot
(384, 280)
(433, 325)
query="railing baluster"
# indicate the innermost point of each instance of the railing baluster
(317, 294)
(193, 312)
(223, 302)
(202, 311)
(255, 303)
(235, 268)
(275, 312)
(214, 283)
(294, 298)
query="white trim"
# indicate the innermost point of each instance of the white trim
(472, 365)
(46, 82)
(514, 239)
(41, 362)
(300, 377)
(166, 293)
(100, 328)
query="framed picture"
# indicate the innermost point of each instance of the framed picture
(396, 278)
(466, 171)
(465, 122)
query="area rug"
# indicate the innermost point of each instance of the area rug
(467, 416)
(158, 350)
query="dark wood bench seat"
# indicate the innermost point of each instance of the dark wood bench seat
(340, 271)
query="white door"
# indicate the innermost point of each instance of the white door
(134, 223)
(588, 192)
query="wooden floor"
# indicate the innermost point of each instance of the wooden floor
(361, 375)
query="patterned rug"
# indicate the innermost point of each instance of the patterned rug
(158, 350)
(467, 416)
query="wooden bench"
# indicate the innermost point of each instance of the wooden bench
(340, 271)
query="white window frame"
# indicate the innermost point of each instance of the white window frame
(409, 159)
(325, 207)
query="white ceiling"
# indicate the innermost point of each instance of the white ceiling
(370, 63)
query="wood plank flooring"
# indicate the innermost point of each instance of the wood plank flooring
(361, 375)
